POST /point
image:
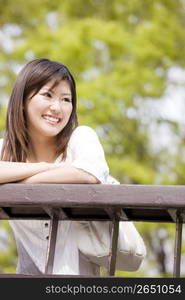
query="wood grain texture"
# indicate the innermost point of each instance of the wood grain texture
(92, 202)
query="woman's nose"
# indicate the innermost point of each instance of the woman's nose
(56, 105)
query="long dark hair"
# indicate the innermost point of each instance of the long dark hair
(29, 81)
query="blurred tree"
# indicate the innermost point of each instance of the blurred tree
(120, 52)
(8, 252)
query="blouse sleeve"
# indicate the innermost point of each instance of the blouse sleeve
(87, 153)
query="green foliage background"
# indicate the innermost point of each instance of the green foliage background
(120, 52)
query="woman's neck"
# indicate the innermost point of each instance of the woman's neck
(42, 150)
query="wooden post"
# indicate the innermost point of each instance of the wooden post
(51, 244)
(178, 243)
(114, 245)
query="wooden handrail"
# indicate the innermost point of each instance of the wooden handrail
(148, 203)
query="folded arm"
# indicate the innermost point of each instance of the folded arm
(64, 173)
(16, 171)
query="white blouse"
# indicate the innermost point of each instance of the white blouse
(85, 152)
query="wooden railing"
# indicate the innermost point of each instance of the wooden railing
(146, 203)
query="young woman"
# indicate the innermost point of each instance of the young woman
(43, 144)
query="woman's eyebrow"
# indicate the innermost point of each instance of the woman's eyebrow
(52, 91)
(68, 94)
(46, 88)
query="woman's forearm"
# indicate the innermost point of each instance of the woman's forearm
(16, 171)
(64, 174)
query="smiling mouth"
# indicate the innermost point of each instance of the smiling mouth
(51, 119)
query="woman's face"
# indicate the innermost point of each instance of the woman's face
(49, 110)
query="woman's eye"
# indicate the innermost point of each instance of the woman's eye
(48, 95)
(66, 100)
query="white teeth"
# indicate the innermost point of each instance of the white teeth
(51, 119)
